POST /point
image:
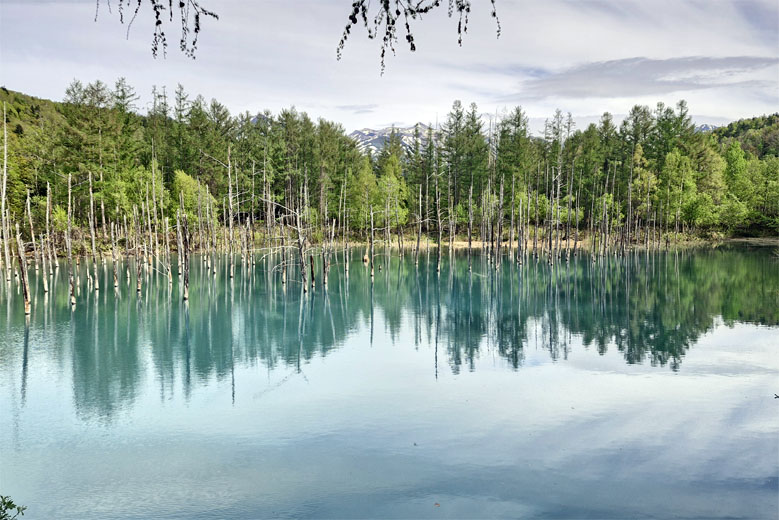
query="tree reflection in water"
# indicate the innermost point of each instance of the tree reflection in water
(651, 306)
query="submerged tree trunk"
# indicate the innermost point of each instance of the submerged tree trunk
(32, 232)
(23, 271)
(470, 225)
(92, 234)
(499, 227)
(511, 222)
(114, 256)
(3, 214)
(185, 252)
(49, 239)
(419, 227)
(45, 277)
(69, 245)
(438, 219)
(370, 257)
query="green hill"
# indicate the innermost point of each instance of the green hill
(757, 135)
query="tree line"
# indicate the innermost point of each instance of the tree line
(650, 178)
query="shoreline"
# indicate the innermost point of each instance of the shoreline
(459, 244)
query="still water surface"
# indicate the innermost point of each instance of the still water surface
(630, 387)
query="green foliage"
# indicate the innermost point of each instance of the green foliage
(59, 218)
(653, 161)
(193, 194)
(362, 190)
(9, 510)
(758, 135)
(734, 213)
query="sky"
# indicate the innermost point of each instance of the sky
(582, 56)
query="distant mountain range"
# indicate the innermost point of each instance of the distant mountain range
(706, 128)
(374, 140)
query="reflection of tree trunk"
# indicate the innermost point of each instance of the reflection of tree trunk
(25, 357)
(371, 289)
(313, 276)
(437, 321)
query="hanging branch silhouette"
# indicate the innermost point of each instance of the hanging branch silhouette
(189, 14)
(392, 13)
(384, 24)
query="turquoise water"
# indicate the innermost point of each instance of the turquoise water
(629, 387)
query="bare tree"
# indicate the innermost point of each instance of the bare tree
(3, 195)
(23, 271)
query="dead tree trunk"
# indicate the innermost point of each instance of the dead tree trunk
(535, 221)
(520, 234)
(49, 239)
(499, 227)
(419, 227)
(568, 216)
(69, 246)
(438, 219)
(45, 277)
(400, 230)
(23, 271)
(327, 255)
(511, 224)
(370, 254)
(114, 256)
(138, 260)
(301, 248)
(313, 275)
(92, 234)
(3, 196)
(470, 225)
(32, 232)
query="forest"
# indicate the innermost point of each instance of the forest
(93, 166)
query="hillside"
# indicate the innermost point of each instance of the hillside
(23, 111)
(757, 135)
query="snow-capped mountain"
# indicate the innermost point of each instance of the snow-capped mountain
(705, 127)
(374, 140)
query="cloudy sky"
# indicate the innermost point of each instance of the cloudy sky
(583, 56)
